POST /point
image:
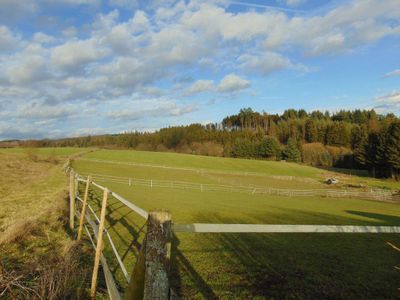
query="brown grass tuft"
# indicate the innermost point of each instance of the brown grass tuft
(59, 277)
(18, 231)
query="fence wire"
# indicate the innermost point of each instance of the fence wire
(380, 195)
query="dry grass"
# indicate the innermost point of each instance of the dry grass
(38, 258)
(63, 276)
(17, 231)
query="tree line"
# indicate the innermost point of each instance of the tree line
(359, 139)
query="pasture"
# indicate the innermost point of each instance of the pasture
(38, 258)
(232, 266)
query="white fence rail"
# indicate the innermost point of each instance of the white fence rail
(202, 171)
(381, 195)
(255, 228)
(112, 287)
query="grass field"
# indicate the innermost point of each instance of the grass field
(247, 266)
(38, 257)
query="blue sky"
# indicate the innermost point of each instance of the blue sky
(78, 67)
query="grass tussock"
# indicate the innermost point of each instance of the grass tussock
(18, 231)
(63, 276)
(38, 257)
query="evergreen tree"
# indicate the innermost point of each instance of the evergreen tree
(393, 148)
(292, 151)
(269, 148)
(338, 134)
(311, 133)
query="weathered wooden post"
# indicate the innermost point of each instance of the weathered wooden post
(71, 199)
(99, 245)
(84, 205)
(157, 256)
(150, 277)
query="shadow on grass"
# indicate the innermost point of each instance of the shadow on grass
(299, 266)
(180, 263)
(356, 172)
(385, 219)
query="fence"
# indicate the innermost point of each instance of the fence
(380, 195)
(203, 171)
(150, 276)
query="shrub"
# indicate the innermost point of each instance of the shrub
(292, 151)
(161, 148)
(341, 157)
(207, 148)
(269, 148)
(244, 148)
(316, 154)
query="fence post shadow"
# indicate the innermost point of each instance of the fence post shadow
(178, 259)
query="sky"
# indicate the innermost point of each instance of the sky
(85, 67)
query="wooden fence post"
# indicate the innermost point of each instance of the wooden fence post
(157, 256)
(84, 204)
(99, 245)
(71, 199)
(150, 277)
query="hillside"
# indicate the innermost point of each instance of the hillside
(38, 257)
(253, 265)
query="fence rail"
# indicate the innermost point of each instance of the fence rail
(255, 228)
(202, 171)
(145, 282)
(380, 195)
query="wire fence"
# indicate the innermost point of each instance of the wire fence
(204, 171)
(379, 195)
(156, 246)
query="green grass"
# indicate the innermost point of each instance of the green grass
(243, 266)
(207, 162)
(60, 152)
(37, 255)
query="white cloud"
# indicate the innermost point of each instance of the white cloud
(111, 59)
(293, 2)
(8, 41)
(129, 72)
(232, 83)
(393, 73)
(29, 66)
(152, 108)
(388, 103)
(76, 2)
(29, 70)
(393, 97)
(200, 86)
(10, 131)
(41, 111)
(124, 3)
(328, 44)
(76, 53)
(267, 62)
(43, 38)
(69, 32)
(89, 131)
(11, 10)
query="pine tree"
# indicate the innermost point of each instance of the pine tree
(311, 133)
(292, 151)
(358, 142)
(269, 148)
(393, 148)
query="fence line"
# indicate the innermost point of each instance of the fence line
(149, 278)
(381, 195)
(255, 228)
(202, 171)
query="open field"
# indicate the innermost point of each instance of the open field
(38, 258)
(61, 153)
(311, 266)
